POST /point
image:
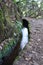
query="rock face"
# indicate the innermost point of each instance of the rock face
(8, 60)
(10, 52)
(8, 16)
(8, 27)
(9, 48)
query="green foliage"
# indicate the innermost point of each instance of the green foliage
(7, 48)
(1, 22)
(0, 54)
(10, 43)
(15, 1)
(18, 25)
(30, 8)
(0, 1)
(1, 15)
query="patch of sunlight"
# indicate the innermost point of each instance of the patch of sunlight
(39, 4)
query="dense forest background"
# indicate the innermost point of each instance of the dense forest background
(12, 11)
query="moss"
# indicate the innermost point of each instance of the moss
(1, 15)
(7, 48)
(8, 45)
(1, 22)
(0, 1)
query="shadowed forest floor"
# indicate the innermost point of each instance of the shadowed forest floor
(33, 52)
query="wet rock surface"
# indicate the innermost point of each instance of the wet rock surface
(33, 52)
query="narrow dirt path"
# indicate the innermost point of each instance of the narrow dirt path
(33, 52)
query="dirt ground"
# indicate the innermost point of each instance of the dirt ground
(33, 52)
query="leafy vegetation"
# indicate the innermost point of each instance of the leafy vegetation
(30, 8)
(7, 45)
